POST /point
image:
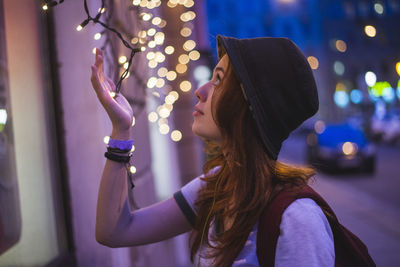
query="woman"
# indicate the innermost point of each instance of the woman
(260, 91)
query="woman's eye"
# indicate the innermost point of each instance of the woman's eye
(217, 80)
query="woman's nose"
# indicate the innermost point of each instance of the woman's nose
(202, 92)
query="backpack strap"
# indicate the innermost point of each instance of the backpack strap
(349, 250)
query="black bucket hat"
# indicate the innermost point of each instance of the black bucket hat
(277, 83)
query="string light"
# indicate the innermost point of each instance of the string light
(169, 50)
(160, 83)
(164, 129)
(194, 55)
(97, 36)
(188, 4)
(132, 169)
(156, 21)
(186, 32)
(152, 117)
(176, 135)
(181, 68)
(133, 121)
(162, 24)
(164, 112)
(152, 64)
(151, 44)
(134, 40)
(151, 32)
(171, 75)
(169, 99)
(185, 86)
(159, 57)
(171, 4)
(183, 59)
(122, 59)
(162, 72)
(189, 45)
(150, 55)
(149, 38)
(151, 82)
(159, 38)
(106, 139)
(174, 94)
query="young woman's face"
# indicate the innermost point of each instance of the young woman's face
(204, 124)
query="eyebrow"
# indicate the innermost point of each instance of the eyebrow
(219, 69)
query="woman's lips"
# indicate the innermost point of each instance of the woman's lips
(197, 112)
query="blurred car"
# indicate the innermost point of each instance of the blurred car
(340, 147)
(387, 128)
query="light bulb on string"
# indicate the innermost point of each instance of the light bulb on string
(194, 55)
(97, 36)
(176, 135)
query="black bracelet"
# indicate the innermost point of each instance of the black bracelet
(117, 150)
(117, 158)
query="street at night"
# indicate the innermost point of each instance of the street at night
(367, 204)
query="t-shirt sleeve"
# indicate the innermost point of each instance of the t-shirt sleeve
(186, 198)
(306, 237)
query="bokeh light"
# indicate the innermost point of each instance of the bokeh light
(313, 61)
(341, 99)
(370, 78)
(338, 67)
(176, 135)
(370, 31)
(341, 46)
(356, 96)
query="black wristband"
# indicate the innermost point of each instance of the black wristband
(117, 158)
(117, 150)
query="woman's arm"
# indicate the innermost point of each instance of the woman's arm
(116, 226)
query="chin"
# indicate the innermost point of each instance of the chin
(205, 133)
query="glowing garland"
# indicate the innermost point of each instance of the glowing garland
(154, 58)
(96, 20)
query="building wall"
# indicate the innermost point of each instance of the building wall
(31, 136)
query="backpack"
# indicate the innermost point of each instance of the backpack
(350, 251)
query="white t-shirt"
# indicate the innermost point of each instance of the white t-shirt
(305, 239)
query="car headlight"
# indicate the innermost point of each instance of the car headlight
(349, 148)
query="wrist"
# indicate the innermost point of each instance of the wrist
(120, 135)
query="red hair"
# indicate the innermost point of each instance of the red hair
(246, 177)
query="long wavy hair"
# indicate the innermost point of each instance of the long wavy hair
(238, 190)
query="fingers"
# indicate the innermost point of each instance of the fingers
(110, 83)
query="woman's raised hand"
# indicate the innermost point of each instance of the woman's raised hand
(116, 105)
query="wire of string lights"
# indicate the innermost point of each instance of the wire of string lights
(96, 19)
(168, 61)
